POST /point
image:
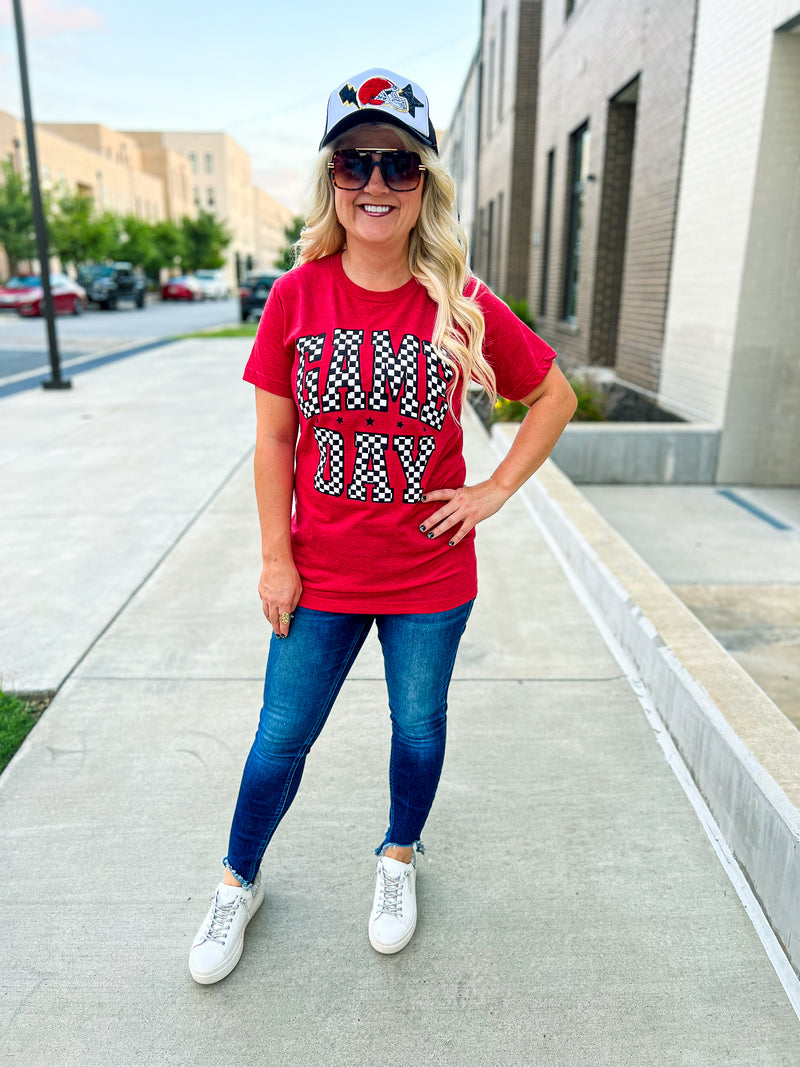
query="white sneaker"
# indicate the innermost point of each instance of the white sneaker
(394, 911)
(218, 946)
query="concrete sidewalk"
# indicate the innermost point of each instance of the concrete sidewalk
(573, 911)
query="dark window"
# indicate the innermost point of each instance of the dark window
(548, 216)
(498, 255)
(578, 169)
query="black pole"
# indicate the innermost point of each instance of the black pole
(56, 382)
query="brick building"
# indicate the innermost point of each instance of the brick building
(614, 85)
(508, 85)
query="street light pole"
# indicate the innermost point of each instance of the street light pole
(56, 382)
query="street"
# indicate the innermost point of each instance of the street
(23, 342)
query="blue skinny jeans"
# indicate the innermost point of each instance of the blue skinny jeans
(305, 672)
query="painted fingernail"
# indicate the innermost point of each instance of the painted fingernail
(422, 529)
(422, 498)
(430, 534)
(451, 543)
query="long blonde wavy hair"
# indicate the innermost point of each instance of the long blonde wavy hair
(437, 258)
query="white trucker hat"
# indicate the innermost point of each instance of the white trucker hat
(379, 95)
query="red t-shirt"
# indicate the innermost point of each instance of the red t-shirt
(375, 433)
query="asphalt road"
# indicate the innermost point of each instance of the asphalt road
(23, 342)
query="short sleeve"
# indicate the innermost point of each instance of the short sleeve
(519, 358)
(270, 364)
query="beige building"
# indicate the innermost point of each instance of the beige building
(157, 176)
(92, 160)
(222, 184)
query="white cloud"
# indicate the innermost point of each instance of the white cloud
(51, 18)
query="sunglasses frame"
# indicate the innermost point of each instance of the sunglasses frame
(377, 163)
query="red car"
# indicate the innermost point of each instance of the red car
(25, 295)
(184, 288)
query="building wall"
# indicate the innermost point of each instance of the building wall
(270, 220)
(91, 163)
(731, 351)
(222, 184)
(508, 84)
(459, 151)
(588, 60)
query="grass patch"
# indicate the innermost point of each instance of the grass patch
(17, 716)
(247, 329)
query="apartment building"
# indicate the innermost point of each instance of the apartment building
(506, 136)
(731, 348)
(614, 86)
(94, 161)
(459, 152)
(158, 175)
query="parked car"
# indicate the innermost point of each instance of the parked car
(184, 288)
(107, 284)
(213, 283)
(25, 295)
(254, 292)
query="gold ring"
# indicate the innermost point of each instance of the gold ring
(284, 618)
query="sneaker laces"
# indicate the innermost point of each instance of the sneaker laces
(221, 920)
(390, 901)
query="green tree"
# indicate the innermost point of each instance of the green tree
(291, 233)
(168, 247)
(16, 217)
(137, 241)
(79, 235)
(205, 240)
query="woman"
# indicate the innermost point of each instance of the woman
(366, 348)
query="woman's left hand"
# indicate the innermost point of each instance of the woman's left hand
(463, 509)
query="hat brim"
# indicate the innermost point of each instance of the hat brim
(382, 118)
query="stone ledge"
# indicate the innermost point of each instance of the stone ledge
(742, 752)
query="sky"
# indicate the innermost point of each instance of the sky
(259, 71)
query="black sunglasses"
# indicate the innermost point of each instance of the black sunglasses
(351, 168)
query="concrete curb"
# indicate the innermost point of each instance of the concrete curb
(742, 752)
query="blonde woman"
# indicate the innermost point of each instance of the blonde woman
(361, 364)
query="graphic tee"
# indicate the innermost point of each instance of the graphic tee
(376, 430)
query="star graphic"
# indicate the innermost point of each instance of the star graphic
(400, 424)
(370, 422)
(340, 419)
(408, 95)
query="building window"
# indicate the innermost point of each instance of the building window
(569, 9)
(209, 197)
(197, 196)
(501, 76)
(546, 228)
(578, 169)
(193, 161)
(209, 163)
(499, 272)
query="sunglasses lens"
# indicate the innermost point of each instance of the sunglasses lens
(352, 169)
(401, 170)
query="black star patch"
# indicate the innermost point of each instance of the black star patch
(400, 424)
(340, 419)
(408, 95)
(370, 422)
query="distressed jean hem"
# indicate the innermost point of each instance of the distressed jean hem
(237, 876)
(416, 845)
